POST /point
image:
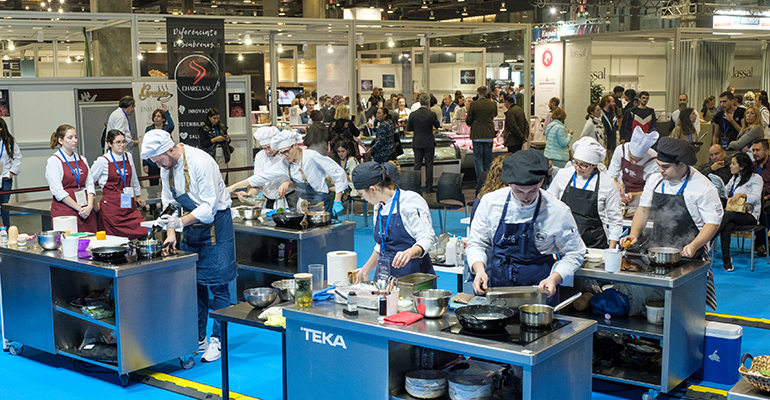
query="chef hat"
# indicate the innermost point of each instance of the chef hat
(155, 143)
(641, 142)
(524, 168)
(675, 151)
(371, 173)
(264, 134)
(587, 149)
(285, 139)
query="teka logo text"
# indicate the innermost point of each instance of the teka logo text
(325, 338)
(743, 73)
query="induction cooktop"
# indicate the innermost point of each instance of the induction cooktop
(514, 332)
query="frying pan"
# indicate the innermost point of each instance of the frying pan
(483, 318)
(109, 253)
(288, 218)
(539, 315)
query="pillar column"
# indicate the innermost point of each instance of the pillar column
(313, 9)
(110, 49)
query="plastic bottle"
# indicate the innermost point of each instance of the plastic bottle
(3, 237)
(13, 234)
(281, 252)
(460, 252)
(451, 251)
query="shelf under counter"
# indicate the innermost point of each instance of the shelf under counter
(629, 325)
(268, 268)
(108, 323)
(72, 353)
(627, 375)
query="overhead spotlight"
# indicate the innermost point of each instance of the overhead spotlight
(461, 1)
(465, 12)
(247, 39)
(424, 5)
(390, 9)
(240, 56)
(431, 16)
(553, 10)
(280, 12)
(304, 47)
(280, 48)
(360, 40)
(61, 1)
(69, 60)
(42, 4)
(157, 46)
(329, 48)
(139, 57)
(391, 43)
(502, 8)
(214, 4)
(61, 10)
(49, 9)
(10, 45)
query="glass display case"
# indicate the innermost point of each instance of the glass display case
(446, 149)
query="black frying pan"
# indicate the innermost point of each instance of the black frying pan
(109, 253)
(484, 318)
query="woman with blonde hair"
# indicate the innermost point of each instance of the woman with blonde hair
(751, 130)
(493, 181)
(342, 128)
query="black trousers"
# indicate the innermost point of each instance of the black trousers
(424, 156)
(730, 220)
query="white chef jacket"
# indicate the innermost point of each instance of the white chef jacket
(10, 164)
(207, 189)
(415, 214)
(752, 189)
(675, 118)
(315, 166)
(119, 120)
(650, 166)
(609, 205)
(406, 112)
(54, 173)
(555, 229)
(415, 106)
(101, 168)
(263, 162)
(700, 196)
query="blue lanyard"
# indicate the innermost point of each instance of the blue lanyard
(759, 167)
(732, 189)
(346, 164)
(76, 170)
(2, 149)
(384, 235)
(663, 184)
(574, 180)
(128, 121)
(120, 171)
(216, 130)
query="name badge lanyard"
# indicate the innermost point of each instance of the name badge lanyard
(384, 235)
(128, 121)
(663, 185)
(2, 149)
(732, 189)
(574, 176)
(120, 171)
(76, 170)
(759, 167)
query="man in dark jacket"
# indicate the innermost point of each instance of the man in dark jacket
(717, 164)
(641, 116)
(422, 122)
(480, 119)
(516, 131)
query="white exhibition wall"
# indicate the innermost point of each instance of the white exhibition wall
(445, 78)
(577, 88)
(333, 70)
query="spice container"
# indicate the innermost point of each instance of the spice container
(303, 295)
(352, 306)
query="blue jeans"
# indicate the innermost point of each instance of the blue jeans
(221, 300)
(482, 156)
(4, 198)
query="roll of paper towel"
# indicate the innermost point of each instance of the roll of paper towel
(68, 223)
(339, 263)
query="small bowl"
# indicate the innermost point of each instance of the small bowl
(260, 297)
(432, 303)
(49, 240)
(83, 244)
(286, 288)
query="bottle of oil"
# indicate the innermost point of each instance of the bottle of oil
(303, 295)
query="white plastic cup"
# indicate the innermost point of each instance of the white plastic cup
(317, 270)
(69, 246)
(655, 314)
(612, 259)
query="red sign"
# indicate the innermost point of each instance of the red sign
(547, 58)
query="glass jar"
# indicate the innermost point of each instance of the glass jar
(303, 295)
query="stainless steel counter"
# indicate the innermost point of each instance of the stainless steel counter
(744, 391)
(268, 228)
(554, 366)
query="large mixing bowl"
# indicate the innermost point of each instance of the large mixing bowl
(432, 303)
(286, 288)
(49, 240)
(249, 212)
(260, 297)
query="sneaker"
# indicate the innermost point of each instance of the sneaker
(728, 266)
(213, 352)
(203, 345)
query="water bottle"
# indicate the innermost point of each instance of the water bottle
(451, 252)
(460, 248)
(3, 237)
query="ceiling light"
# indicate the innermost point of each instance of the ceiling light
(329, 48)
(139, 57)
(49, 9)
(42, 4)
(431, 16)
(69, 60)
(240, 56)
(280, 48)
(5, 57)
(391, 43)
(553, 10)
(157, 46)
(214, 5)
(424, 5)
(465, 12)
(247, 39)
(61, 1)
(77, 58)
(280, 12)
(502, 8)
(60, 10)
(10, 45)
(390, 9)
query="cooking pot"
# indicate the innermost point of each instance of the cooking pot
(109, 253)
(249, 212)
(664, 255)
(288, 218)
(540, 315)
(318, 218)
(147, 248)
(483, 318)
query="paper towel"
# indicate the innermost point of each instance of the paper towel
(338, 264)
(68, 223)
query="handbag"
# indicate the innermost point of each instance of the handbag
(738, 206)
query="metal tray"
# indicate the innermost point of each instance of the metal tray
(414, 282)
(513, 297)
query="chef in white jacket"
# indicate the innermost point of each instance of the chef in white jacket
(591, 194)
(10, 158)
(632, 163)
(307, 170)
(263, 160)
(521, 227)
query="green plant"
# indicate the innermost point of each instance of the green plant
(597, 91)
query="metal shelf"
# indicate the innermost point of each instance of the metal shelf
(628, 375)
(628, 325)
(108, 323)
(71, 353)
(406, 396)
(274, 269)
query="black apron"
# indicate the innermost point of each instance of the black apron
(585, 209)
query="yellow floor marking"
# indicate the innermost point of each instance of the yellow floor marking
(705, 389)
(762, 320)
(190, 384)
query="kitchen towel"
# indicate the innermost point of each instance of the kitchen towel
(404, 318)
(338, 264)
(68, 223)
(325, 294)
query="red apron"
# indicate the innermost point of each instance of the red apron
(70, 184)
(633, 174)
(114, 220)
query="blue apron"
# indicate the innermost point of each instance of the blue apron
(214, 242)
(398, 239)
(306, 192)
(516, 261)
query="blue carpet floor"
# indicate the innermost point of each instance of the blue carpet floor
(255, 362)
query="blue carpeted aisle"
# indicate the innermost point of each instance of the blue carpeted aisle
(255, 361)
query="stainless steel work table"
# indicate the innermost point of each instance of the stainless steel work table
(257, 249)
(155, 305)
(682, 333)
(744, 391)
(332, 356)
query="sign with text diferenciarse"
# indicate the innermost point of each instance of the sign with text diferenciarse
(196, 56)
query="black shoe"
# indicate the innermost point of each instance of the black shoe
(728, 265)
(430, 190)
(761, 251)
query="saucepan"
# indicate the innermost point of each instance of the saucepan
(483, 318)
(318, 218)
(540, 315)
(148, 248)
(664, 255)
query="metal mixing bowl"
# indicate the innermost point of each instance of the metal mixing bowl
(49, 240)
(249, 212)
(432, 303)
(286, 288)
(260, 297)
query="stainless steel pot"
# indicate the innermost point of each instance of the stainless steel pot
(318, 218)
(664, 255)
(432, 303)
(249, 212)
(538, 315)
(147, 248)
